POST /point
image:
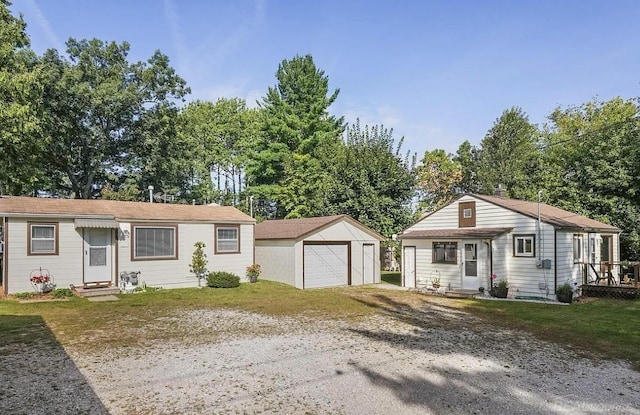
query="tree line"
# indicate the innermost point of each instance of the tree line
(88, 123)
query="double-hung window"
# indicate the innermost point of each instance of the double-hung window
(577, 248)
(155, 242)
(227, 239)
(43, 238)
(524, 245)
(445, 253)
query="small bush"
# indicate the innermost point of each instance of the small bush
(25, 295)
(222, 279)
(564, 289)
(61, 293)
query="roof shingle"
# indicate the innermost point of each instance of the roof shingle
(454, 233)
(120, 210)
(299, 228)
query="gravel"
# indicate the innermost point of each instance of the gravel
(433, 360)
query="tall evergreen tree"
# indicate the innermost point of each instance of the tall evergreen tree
(297, 123)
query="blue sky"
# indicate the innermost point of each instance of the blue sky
(437, 72)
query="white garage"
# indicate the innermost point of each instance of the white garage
(326, 251)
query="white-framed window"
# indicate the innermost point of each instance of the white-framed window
(467, 213)
(227, 239)
(43, 238)
(152, 242)
(577, 248)
(524, 245)
(445, 253)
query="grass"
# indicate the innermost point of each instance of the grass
(391, 277)
(597, 328)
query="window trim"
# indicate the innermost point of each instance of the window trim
(135, 226)
(531, 254)
(580, 240)
(445, 243)
(56, 238)
(215, 239)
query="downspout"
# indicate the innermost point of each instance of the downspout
(540, 246)
(555, 258)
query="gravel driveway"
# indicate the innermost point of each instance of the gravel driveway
(404, 361)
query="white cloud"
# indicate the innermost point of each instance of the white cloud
(45, 26)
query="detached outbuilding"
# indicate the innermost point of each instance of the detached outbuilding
(318, 252)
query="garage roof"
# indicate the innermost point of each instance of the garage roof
(300, 228)
(455, 233)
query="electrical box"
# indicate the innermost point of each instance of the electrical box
(546, 263)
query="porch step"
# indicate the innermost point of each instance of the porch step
(95, 292)
(461, 293)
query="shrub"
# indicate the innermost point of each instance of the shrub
(61, 293)
(25, 295)
(222, 279)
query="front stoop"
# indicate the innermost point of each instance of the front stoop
(461, 293)
(96, 292)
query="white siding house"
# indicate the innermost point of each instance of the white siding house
(89, 243)
(318, 252)
(535, 247)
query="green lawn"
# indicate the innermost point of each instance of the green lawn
(605, 327)
(391, 277)
(600, 328)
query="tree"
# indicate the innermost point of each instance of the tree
(592, 161)
(438, 180)
(467, 157)
(509, 156)
(372, 182)
(20, 113)
(296, 121)
(222, 138)
(97, 106)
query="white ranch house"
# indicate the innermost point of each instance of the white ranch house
(318, 252)
(536, 247)
(90, 242)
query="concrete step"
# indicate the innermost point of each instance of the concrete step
(95, 292)
(461, 293)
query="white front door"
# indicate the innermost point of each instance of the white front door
(97, 255)
(409, 266)
(470, 280)
(368, 263)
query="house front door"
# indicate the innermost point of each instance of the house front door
(97, 255)
(470, 280)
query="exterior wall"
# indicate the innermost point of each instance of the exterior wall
(523, 274)
(66, 267)
(283, 260)
(175, 273)
(277, 260)
(344, 231)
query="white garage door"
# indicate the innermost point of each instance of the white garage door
(326, 265)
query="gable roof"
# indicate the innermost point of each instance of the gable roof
(119, 210)
(549, 214)
(300, 228)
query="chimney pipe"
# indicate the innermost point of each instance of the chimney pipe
(500, 192)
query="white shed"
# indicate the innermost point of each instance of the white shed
(318, 252)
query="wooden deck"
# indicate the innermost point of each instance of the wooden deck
(626, 292)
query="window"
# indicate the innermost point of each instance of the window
(577, 248)
(445, 252)
(155, 242)
(227, 239)
(467, 213)
(43, 238)
(524, 245)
